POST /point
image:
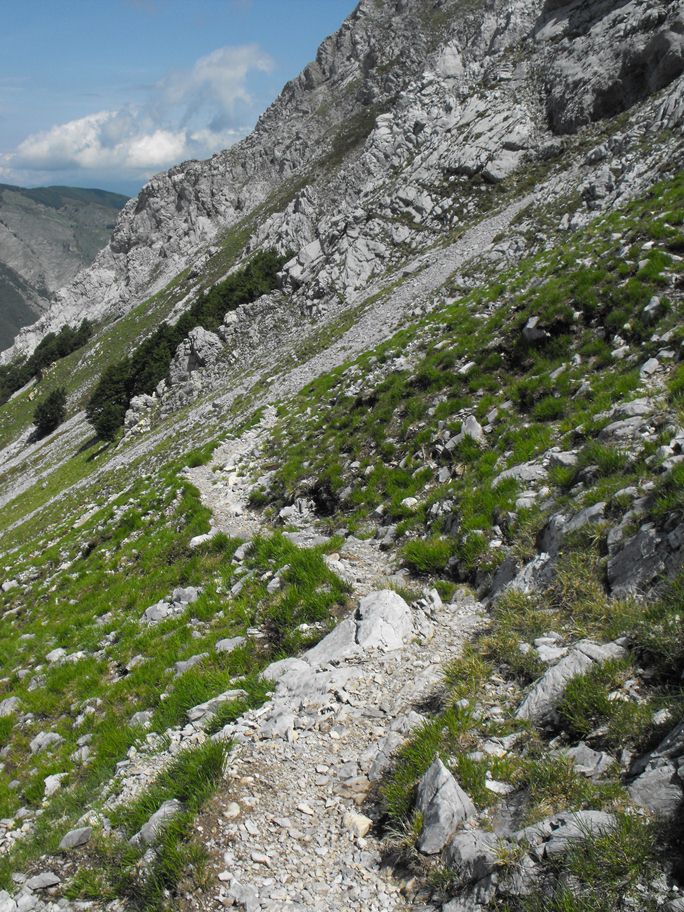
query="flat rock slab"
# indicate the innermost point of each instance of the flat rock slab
(76, 838)
(203, 711)
(383, 621)
(540, 703)
(43, 881)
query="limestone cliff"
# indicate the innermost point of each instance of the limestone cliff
(390, 138)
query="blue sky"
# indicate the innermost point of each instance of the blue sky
(105, 93)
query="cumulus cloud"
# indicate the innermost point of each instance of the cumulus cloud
(188, 114)
(217, 82)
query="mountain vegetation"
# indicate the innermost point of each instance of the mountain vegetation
(51, 412)
(367, 592)
(51, 348)
(141, 371)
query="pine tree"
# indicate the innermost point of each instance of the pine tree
(51, 412)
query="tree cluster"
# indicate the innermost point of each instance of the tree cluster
(141, 371)
(50, 349)
(51, 412)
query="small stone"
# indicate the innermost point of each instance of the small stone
(444, 806)
(229, 644)
(43, 740)
(650, 367)
(76, 838)
(43, 881)
(149, 832)
(8, 706)
(358, 824)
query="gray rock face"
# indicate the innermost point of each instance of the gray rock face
(430, 103)
(473, 854)
(659, 785)
(139, 413)
(444, 806)
(670, 748)
(541, 701)
(659, 789)
(151, 830)
(590, 81)
(201, 349)
(45, 239)
(635, 565)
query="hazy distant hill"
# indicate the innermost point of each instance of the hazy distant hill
(46, 235)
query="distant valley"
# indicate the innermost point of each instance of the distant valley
(47, 235)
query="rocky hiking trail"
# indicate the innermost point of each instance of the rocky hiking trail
(292, 827)
(341, 715)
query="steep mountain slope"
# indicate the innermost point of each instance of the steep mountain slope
(451, 98)
(373, 599)
(46, 236)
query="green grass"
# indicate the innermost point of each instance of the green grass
(191, 778)
(604, 871)
(587, 705)
(113, 867)
(130, 554)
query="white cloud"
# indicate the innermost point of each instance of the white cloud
(189, 114)
(217, 81)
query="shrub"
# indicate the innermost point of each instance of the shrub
(600, 872)
(676, 384)
(587, 707)
(50, 413)
(549, 409)
(659, 634)
(429, 555)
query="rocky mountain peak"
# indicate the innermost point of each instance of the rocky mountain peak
(395, 81)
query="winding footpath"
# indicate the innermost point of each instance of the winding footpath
(293, 826)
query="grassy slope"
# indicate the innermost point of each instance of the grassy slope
(366, 437)
(384, 414)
